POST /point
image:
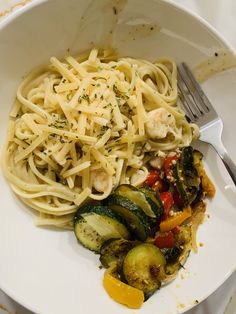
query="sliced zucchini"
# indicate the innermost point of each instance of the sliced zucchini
(186, 176)
(172, 269)
(133, 215)
(138, 197)
(180, 184)
(189, 170)
(95, 224)
(154, 200)
(171, 254)
(141, 268)
(179, 254)
(115, 250)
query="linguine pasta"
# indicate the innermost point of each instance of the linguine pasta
(84, 125)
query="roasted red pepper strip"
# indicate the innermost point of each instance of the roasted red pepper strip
(165, 240)
(176, 230)
(153, 176)
(177, 199)
(167, 200)
(168, 163)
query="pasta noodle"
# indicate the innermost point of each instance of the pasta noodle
(84, 125)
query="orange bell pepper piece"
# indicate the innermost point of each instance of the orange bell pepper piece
(121, 292)
(174, 221)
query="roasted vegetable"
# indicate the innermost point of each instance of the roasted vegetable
(154, 198)
(115, 250)
(95, 224)
(207, 185)
(139, 198)
(188, 168)
(186, 176)
(168, 201)
(176, 220)
(152, 178)
(120, 291)
(133, 215)
(165, 240)
(171, 254)
(141, 268)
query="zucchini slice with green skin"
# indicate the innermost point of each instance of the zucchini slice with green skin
(115, 250)
(187, 163)
(95, 224)
(141, 268)
(171, 254)
(138, 197)
(186, 176)
(133, 215)
(180, 185)
(154, 200)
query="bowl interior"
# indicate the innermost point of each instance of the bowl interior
(45, 270)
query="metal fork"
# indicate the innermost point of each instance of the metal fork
(199, 110)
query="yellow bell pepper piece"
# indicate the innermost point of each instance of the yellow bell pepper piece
(174, 221)
(207, 184)
(121, 292)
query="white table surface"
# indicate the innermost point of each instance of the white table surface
(222, 15)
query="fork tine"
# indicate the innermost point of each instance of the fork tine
(191, 90)
(200, 96)
(185, 100)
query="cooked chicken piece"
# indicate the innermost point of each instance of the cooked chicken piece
(159, 123)
(100, 180)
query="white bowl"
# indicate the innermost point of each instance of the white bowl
(48, 271)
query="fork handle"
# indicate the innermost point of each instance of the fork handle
(228, 162)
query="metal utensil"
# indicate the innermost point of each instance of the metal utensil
(199, 110)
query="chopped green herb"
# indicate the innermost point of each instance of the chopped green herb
(85, 97)
(62, 140)
(118, 93)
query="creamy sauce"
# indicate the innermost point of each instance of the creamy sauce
(220, 62)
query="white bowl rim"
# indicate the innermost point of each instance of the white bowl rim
(18, 12)
(13, 15)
